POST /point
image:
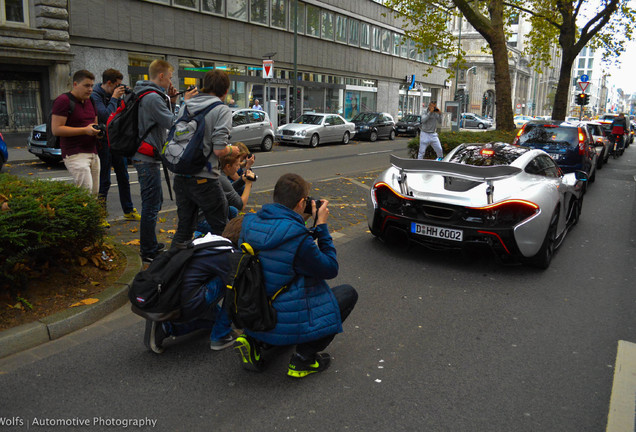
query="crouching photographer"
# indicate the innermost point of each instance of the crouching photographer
(237, 192)
(309, 312)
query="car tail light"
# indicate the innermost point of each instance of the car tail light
(271, 125)
(581, 142)
(487, 152)
(386, 198)
(516, 140)
(505, 213)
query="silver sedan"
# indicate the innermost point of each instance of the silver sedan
(314, 128)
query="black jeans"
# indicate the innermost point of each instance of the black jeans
(347, 297)
(191, 194)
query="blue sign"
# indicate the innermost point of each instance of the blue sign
(410, 79)
(585, 78)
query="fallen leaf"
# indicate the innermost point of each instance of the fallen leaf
(134, 230)
(161, 220)
(172, 231)
(87, 301)
(161, 230)
(94, 283)
(30, 173)
(132, 243)
(83, 290)
(82, 261)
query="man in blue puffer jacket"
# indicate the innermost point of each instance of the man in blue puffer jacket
(309, 313)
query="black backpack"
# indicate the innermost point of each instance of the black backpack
(155, 293)
(246, 297)
(183, 151)
(122, 127)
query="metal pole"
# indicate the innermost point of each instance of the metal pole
(295, 77)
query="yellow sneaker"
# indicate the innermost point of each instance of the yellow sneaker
(133, 215)
(104, 224)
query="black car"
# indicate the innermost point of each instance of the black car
(570, 145)
(409, 125)
(374, 125)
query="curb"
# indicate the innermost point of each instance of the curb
(62, 323)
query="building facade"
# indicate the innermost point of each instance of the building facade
(589, 64)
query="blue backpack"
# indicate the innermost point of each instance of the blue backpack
(183, 152)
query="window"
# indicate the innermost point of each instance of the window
(313, 21)
(581, 63)
(327, 25)
(590, 63)
(376, 39)
(14, 12)
(365, 37)
(412, 50)
(240, 118)
(341, 28)
(192, 4)
(514, 18)
(512, 42)
(259, 11)
(279, 14)
(387, 41)
(214, 6)
(397, 40)
(237, 9)
(354, 35)
(257, 116)
(300, 20)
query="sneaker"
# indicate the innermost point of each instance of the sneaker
(300, 368)
(104, 224)
(133, 215)
(224, 342)
(151, 257)
(250, 353)
(154, 336)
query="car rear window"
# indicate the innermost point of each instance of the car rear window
(472, 154)
(548, 134)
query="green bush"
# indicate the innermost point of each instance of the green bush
(450, 140)
(44, 220)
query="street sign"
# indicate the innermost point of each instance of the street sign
(584, 84)
(585, 78)
(268, 69)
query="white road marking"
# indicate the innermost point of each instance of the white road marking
(282, 163)
(622, 402)
(375, 152)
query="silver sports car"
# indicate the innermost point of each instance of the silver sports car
(514, 200)
(314, 128)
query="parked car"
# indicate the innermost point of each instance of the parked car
(572, 120)
(409, 125)
(568, 144)
(601, 144)
(4, 152)
(520, 120)
(253, 128)
(314, 128)
(512, 200)
(37, 144)
(374, 125)
(470, 120)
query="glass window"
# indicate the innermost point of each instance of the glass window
(240, 118)
(590, 63)
(214, 6)
(313, 21)
(397, 40)
(313, 99)
(411, 50)
(193, 4)
(237, 9)
(334, 103)
(341, 28)
(259, 11)
(386, 41)
(279, 13)
(300, 20)
(15, 11)
(327, 25)
(354, 35)
(581, 63)
(377, 39)
(257, 116)
(365, 36)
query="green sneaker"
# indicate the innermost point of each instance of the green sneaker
(299, 368)
(250, 353)
(133, 215)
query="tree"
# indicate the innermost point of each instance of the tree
(425, 22)
(605, 25)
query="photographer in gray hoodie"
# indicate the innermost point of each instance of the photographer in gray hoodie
(428, 131)
(204, 190)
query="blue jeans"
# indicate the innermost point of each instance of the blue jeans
(151, 200)
(106, 160)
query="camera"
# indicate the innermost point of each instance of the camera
(308, 205)
(186, 90)
(126, 88)
(252, 177)
(101, 128)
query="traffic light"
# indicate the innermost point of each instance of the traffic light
(586, 99)
(580, 99)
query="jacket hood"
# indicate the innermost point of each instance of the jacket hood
(145, 85)
(276, 236)
(200, 102)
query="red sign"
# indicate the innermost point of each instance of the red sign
(268, 69)
(583, 85)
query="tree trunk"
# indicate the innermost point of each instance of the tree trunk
(503, 88)
(559, 111)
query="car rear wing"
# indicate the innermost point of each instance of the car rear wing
(487, 174)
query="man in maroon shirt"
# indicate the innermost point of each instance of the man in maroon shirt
(78, 138)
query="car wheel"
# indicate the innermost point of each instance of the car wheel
(392, 135)
(543, 258)
(481, 126)
(345, 138)
(373, 136)
(313, 142)
(593, 178)
(267, 143)
(599, 162)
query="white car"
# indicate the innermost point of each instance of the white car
(520, 120)
(314, 128)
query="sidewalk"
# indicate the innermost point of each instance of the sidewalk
(347, 198)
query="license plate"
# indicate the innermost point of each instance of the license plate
(401, 130)
(437, 232)
(36, 150)
(287, 138)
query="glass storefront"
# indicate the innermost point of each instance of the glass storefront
(357, 101)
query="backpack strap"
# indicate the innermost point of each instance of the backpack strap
(71, 103)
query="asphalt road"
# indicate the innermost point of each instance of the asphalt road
(438, 341)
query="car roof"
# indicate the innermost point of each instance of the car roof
(557, 123)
